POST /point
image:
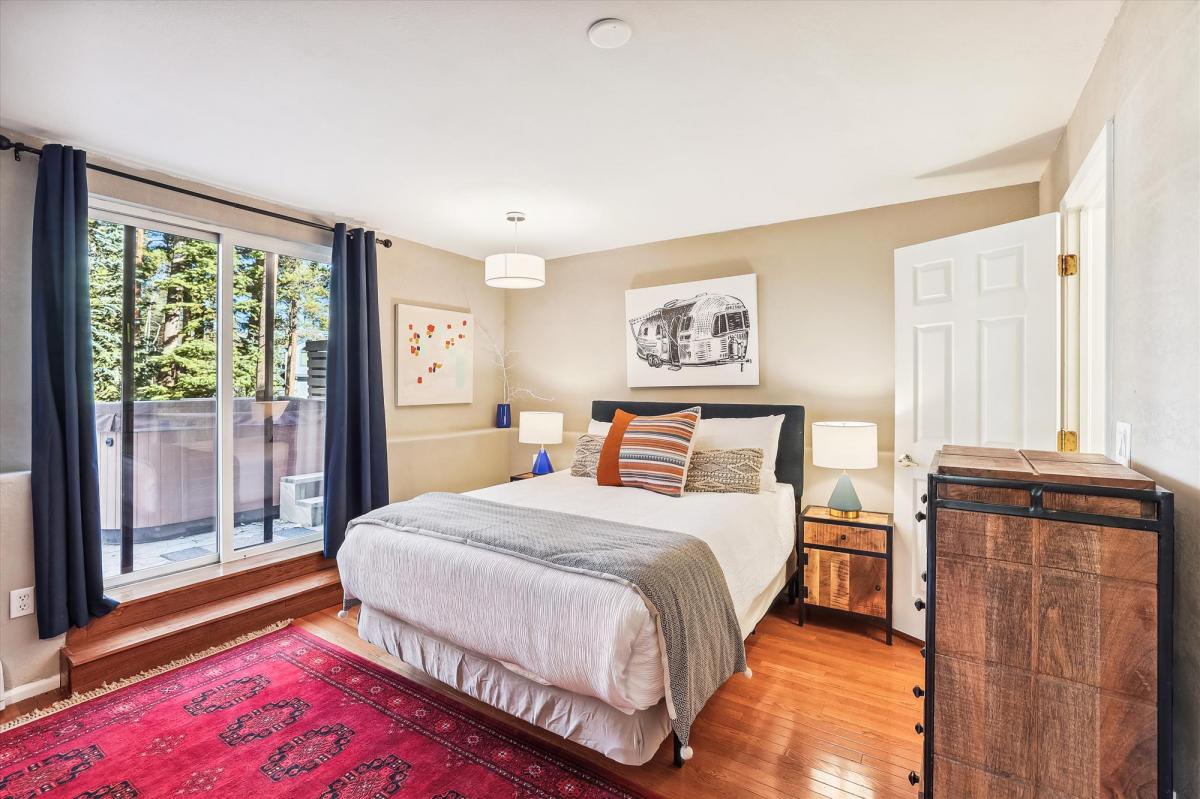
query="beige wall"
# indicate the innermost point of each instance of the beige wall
(825, 298)
(447, 447)
(1147, 80)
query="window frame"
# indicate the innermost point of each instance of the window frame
(116, 211)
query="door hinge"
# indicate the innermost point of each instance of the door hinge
(1068, 265)
(1068, 441)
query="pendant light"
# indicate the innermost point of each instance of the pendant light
(514, 270)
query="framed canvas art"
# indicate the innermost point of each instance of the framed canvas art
(703, 333)
(435, 356)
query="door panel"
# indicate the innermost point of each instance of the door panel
(976, 362)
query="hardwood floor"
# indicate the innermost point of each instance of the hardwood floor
(829, 713)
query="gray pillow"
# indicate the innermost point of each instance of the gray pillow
(587, 455)
(725, 471)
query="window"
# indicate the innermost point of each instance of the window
(719, 325)
(175, 491)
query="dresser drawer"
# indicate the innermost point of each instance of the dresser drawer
(983, 716)
(985, 611)
(954, 779)
(864, 539)
(845, 581)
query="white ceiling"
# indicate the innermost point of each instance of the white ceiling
(429, 120)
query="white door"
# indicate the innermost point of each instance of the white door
(976, 363)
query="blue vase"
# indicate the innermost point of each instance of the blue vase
(503, 415)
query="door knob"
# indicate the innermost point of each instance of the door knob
(920, 517)
(920, 728)
(917, 692)
(924, 498)
(913, 779)
(907, 462)
(919, 604)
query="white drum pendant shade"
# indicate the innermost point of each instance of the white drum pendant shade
(514, 270)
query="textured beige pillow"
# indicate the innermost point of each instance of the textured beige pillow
(587, 455)
(725, 471)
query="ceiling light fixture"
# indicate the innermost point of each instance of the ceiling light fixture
(514, 270)
(609, 34)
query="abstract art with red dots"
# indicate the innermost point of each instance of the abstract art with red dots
(435, 356)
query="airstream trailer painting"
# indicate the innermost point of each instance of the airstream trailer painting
(707, 330)
(705, 323)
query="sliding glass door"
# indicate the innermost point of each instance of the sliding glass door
(281, 319)
(209, 351)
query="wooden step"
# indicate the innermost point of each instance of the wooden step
(90, 661)
(133, 612)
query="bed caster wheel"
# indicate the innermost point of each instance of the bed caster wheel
(686, 753)
(343, 614)
(748, 672)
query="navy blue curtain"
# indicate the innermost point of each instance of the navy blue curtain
(355, 438)
(68, 574)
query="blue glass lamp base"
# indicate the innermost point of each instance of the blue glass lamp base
(541, 464)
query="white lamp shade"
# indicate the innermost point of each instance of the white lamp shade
(540, 427)
(514, 270)
(845, 445)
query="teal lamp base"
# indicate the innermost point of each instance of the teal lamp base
(843, 502)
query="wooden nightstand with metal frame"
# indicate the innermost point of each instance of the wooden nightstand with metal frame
(846, 565)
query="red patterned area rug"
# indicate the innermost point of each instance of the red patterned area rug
(288, 714)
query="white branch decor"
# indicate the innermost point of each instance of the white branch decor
(504, 362)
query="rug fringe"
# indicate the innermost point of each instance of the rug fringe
(109, 687)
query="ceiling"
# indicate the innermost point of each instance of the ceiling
(429, 120)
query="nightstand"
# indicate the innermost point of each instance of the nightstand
(846, 565)
(522, 476)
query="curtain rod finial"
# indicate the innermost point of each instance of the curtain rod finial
(385, 242)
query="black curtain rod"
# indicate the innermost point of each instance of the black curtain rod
(19, 147)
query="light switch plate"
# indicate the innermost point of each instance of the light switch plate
(20, 602)
(1123, 443)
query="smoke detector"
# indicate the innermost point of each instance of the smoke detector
(609, 34)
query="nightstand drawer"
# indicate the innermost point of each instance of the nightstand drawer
(845, 581)
(843, 536)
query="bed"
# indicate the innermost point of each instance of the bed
(563, 649)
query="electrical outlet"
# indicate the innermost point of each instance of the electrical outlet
(20, 602)
(1123, 443)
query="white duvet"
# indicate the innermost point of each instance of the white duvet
(579, 632)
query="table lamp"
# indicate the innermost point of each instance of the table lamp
(542, 428)
(845, 445)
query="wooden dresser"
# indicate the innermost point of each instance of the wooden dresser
(1048, 637)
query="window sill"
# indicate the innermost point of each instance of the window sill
(158, 585)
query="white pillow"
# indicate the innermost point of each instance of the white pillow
(599, 428)
(759, 432)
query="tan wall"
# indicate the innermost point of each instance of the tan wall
(825, 297)
(1147, 80)
(826, 322)
(428, 447)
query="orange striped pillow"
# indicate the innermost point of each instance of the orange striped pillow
(655, 451)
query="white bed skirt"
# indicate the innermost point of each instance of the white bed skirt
(629, 738)
(626, 738)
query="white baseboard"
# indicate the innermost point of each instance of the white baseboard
(20, 692)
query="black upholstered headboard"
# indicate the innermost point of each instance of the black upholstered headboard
(789, 465)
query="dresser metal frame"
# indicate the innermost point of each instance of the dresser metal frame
(1163, 525)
